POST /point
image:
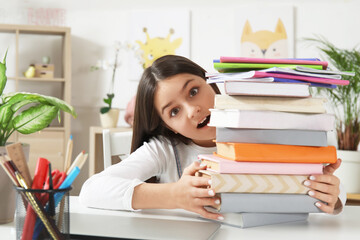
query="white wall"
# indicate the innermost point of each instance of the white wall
(96, 24)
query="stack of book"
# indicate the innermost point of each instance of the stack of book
(270, 136)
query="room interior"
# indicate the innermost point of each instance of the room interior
(78, 38)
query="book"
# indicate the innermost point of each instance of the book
(273, 136)
(282, 104)
(267, 88)
(319, 71)
(256, 183)
(311, 73)
(312, 84)
(235, 118)
(248, 220)
(259, 73)
(279, 73)
(224, 59)
(222, 165)
(222, 80)
(267, 203)
(255, 152)
(232, 67)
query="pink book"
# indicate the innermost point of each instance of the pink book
(221, 165)
(272, 60)
(259, 74)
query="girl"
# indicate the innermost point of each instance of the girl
(170, 130)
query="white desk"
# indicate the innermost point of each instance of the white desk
(319, 226)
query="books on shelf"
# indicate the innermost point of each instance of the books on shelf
(267, 203)
(298, 61)
(247, 220)
(281, 104)
(267, 88)
(273, 136)
(256, 183)
(253, 152)
(235, 118)
(221, 165)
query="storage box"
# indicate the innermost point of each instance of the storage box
(44, 70)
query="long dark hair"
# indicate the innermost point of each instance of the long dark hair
(147, 122)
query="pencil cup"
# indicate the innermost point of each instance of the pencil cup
(42, 214)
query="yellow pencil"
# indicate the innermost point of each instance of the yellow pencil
(68, 154)
(76, 162)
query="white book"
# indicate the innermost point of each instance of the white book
(235, 118)
(222, 80)
(267, 88)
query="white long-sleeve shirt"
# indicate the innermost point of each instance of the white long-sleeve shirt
(113, 188)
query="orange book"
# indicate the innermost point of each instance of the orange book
(253, 152)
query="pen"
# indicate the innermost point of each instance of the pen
(51, 194)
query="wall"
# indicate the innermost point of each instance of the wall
(96, 24)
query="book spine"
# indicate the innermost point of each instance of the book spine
(267, 203)
(276, 153)
(282, 104)
(271, 120)
(250, 183)
(271, 136)
(274, 61)
(221, 165)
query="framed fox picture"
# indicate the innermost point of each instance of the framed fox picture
(265, 32)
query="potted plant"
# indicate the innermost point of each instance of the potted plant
(25, 113)
(345, 101)
(109, 115)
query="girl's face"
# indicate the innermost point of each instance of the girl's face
(183, 102)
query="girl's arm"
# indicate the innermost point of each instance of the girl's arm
(189, 193)
(326, 187)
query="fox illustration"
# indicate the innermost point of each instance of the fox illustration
(157, 47)
(264, 43)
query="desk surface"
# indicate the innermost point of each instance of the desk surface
(319, 226)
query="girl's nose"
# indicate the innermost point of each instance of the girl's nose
(193, 110)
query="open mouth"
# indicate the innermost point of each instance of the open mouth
(204, 122)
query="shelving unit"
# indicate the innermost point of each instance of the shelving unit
(51, 142)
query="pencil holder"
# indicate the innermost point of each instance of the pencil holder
(42, 214)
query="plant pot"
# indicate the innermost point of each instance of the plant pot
(7, 190)
(349, 171)
(110, 119)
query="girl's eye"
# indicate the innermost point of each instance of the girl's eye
(174, 112)
(194, 91)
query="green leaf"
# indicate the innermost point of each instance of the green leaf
(104, 110)
(35, 118)
(3, 78)
(23, 98)
(5, 115)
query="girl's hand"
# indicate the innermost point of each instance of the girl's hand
(325, 187)
(191, 193)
